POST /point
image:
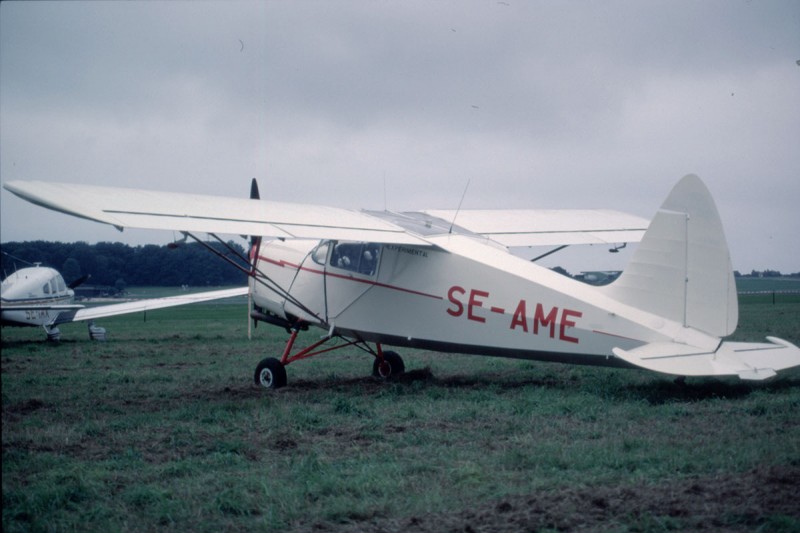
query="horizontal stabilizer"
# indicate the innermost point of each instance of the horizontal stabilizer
(754, 361)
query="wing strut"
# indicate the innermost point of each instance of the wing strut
(554, 250)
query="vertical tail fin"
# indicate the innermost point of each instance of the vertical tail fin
(681, 269)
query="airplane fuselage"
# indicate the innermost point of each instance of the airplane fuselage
(485, 301)
(32, 297)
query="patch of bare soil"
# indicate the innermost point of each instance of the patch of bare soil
(13, 412)
(731, 502)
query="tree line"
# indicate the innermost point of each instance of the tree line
(766, 274)
(610, 276)
(120, 265)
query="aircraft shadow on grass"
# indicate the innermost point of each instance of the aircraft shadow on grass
(657, 392)
(662, 391)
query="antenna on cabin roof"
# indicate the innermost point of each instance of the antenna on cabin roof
(19, 259)
(453, 223)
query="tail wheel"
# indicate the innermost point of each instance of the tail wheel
(391, 365)
(270, 374)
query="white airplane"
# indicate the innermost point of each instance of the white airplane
(37, 296)
(446, 280)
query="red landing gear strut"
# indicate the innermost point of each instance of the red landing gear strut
(271, 372)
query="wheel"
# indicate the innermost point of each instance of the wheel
(270, 374)
(392, 365)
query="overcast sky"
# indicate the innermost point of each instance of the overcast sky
(398, 105)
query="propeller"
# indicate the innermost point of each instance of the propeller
(254, 190)
(80, 281)
(255, 244)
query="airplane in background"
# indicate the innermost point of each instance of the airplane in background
(37, 296)
(448, 281)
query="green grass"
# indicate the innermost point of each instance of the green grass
(161, 427)
(758, 317)
(767, 284)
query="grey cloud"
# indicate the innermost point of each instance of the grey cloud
(540, 104)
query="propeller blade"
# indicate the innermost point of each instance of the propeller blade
(81, 280)
(254, 195)
(254, 190)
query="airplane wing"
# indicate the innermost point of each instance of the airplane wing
(548, 227)
(137, 208)
(101, 311)
(754, 361)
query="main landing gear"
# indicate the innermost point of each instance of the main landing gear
(390, 365)
(271, 372)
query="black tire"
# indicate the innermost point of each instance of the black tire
(394, 366)
(270, 374)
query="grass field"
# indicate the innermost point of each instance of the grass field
(160, 427)
(768, 284)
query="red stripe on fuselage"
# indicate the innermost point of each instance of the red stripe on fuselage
(283, 264)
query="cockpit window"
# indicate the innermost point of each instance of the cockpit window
(62, 287)
(320, 253)
(46, 288)
(356, 257)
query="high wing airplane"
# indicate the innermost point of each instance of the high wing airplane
(38, 296)
(446, 281)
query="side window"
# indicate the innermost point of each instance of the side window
(356, 257)
(369, 259)
(46, 288)
(62, 287)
